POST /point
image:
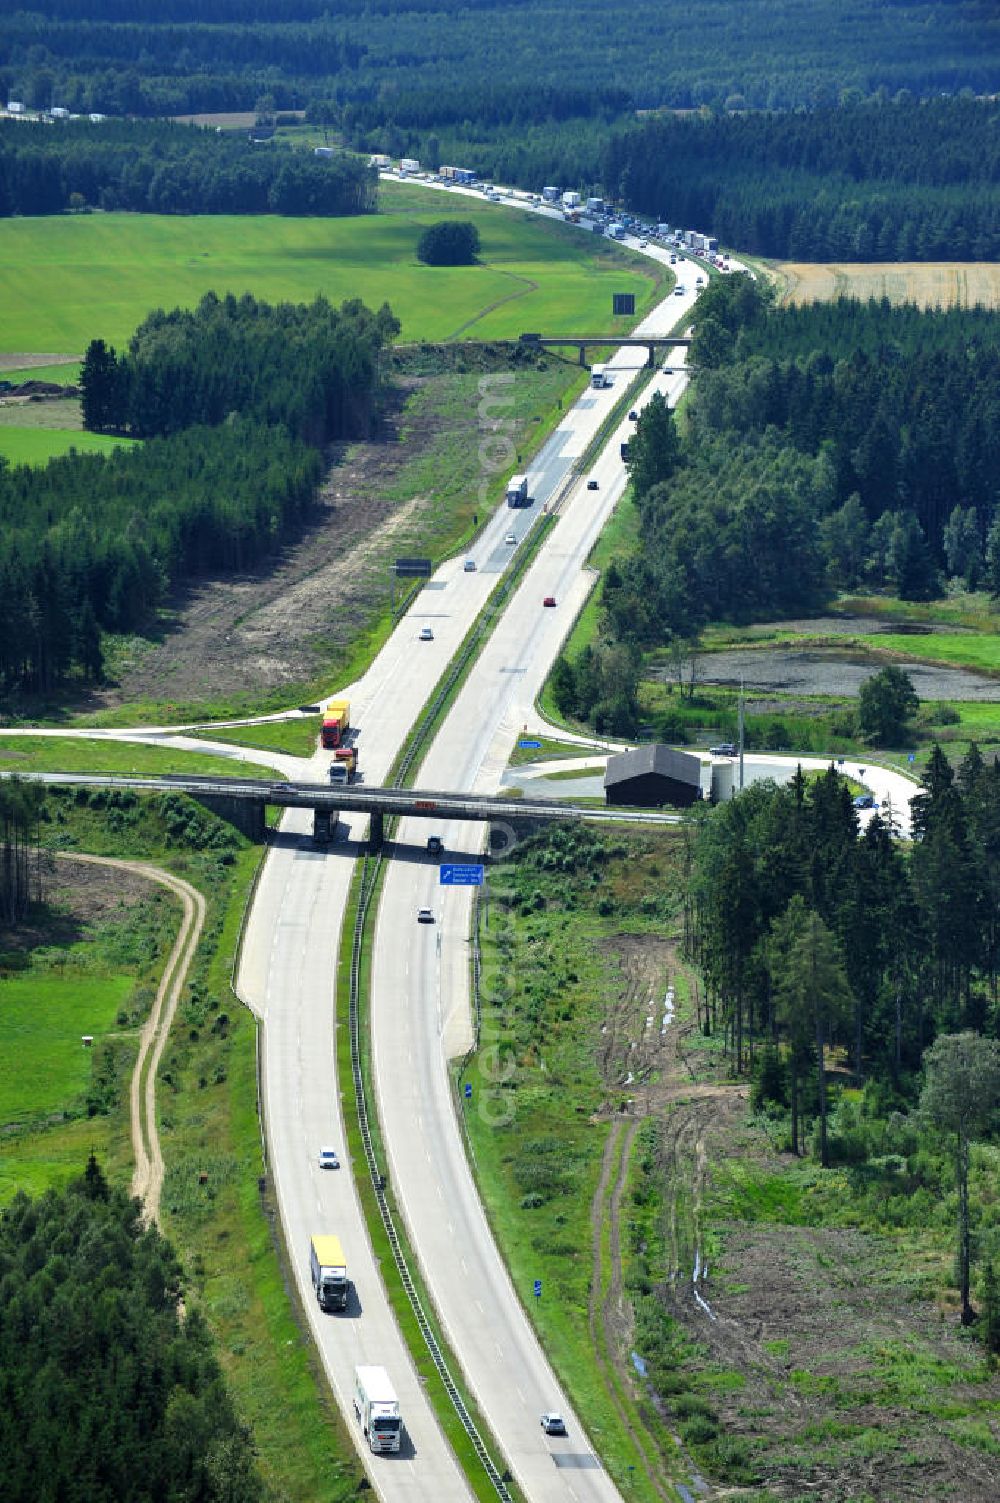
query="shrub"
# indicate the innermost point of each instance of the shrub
(450, 242)
(699, 1430)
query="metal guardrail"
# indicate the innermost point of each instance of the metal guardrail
(369, 877)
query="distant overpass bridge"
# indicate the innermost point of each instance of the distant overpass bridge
(243, 802)
(650, 342)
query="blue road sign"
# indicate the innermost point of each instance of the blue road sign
(532, 744)
(538, 1288)
(910, 757)
(456, 874)
(468, 1093)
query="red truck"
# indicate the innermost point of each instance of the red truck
(336, 720)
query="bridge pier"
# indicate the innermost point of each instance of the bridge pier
(652, 356)
(583, 354)
(246, 814)
(376, 832)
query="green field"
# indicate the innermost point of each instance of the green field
(962, 649)
(69, 754)
(65, 281)
(47, 1068)
(66, 373)
(39, 445)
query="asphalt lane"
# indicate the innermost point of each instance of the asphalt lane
(288, 968)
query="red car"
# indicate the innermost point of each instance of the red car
(549, 600)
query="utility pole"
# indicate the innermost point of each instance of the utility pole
(741, 732)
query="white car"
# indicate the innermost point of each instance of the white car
(328, 1158)
(510, 539)
(470, 566)
(425, 915)
(643, 244)
(553, 1424)
(426, 634)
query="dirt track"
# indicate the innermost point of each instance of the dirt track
(147, 1180)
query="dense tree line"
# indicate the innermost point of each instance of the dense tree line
(105, 1393)
(860, 440)
(233, 399)
(917, 934)
(171, 169)
(823, 945)
(311, 367)
(19, 869)
(869, 182)
(759, 54)
(900, 408)
(94, 542)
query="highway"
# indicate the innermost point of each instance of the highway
(420, 1003)
(290, 952)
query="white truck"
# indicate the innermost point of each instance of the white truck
(409, 164)
(595, 205)
(329, 1272)
(377, 1408)
(571, 200)
(517, 491)
(599, 377)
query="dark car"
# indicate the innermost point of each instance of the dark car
(633, 416)
(725, 749)
(549, 600)
(865, 801)
(435, 845)
(592, 485)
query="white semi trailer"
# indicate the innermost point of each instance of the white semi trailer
(377, 1408)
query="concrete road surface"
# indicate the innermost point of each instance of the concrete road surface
(289, 959)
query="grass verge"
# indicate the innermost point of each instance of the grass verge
(67, 754)
(223, 1228)
(559, 912)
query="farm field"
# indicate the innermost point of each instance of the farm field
(927, 283)
(39, 445)
(65, 281)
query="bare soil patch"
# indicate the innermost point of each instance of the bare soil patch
(830, 1355)
(832, 671)
(282, 623)
(76, 898)
(17, 362)
(815, 1350)
(230, 119)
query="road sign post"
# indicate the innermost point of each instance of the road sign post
(538, 1288)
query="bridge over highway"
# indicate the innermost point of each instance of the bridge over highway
(243, 801)
(650, 342)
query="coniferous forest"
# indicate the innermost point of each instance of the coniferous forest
(105, 1393)
(161, 168)
(917, 933)
(859, 439)
(871, 181)
(404, 56)
(237, 397)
